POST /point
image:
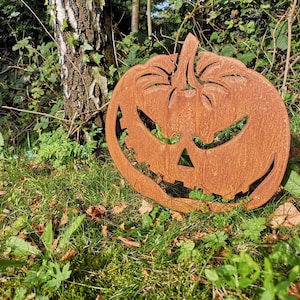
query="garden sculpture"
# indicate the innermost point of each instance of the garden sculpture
(191, 99)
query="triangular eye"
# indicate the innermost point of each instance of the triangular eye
(185, 159)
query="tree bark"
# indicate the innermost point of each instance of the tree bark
(80, 34)
(135, 15)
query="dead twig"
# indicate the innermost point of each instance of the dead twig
(35, 113)
(291, 18)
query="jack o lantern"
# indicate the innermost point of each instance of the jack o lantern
(195, 97)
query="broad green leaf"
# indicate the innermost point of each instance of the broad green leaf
(147, 221)
(47, 237)
(1, 140)
(268, 277)
(5, 263)
(20, 293)
(246, 58)
(21, 247)
(294, 273)
(211, 275)
(85, 58)
(199, 195)
(228, 50)
(245, 282)
(69, 232)
(282, 42)
(292, 184)
(227, 270)
(178, 4)
(186, 250)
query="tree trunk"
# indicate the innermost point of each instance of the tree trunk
(135, 15)
(81, 38)
(149, 20)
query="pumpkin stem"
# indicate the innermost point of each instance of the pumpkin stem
(185, 69)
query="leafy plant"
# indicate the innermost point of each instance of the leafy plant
(45, 274)
(241, 271)
(253, 228)
(292, 181)
(56, 148)
(188, 252)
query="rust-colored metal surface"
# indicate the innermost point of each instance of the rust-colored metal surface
(196, 100)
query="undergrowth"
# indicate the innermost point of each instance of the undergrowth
(80, 233)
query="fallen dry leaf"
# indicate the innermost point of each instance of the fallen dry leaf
(146, 207)
(39, 228)
(198, 236)
(129, 242)
(294, 290)
(294, 152)
(122, 226)
(119, 208)
(285, 215)
(98, 297)
(96, 212)
(23, 179)
(54, 245)
(146, 273)
(69, 254)
(2, 193)
(177, 216)
(53, 201)
(64, 219)
(104, 231)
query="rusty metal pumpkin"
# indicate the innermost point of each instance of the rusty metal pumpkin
(194, 97)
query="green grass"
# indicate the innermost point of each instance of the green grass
(201, 257)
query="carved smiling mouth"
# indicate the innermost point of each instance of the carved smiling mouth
(221, 137)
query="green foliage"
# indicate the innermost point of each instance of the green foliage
(241, 271)
(31, 83)
(253, 228)
(197, 256)
(188, 252)
(56, 148)
(46, 274)
(291, 180)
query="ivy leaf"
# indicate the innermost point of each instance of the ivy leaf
(86, 46)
